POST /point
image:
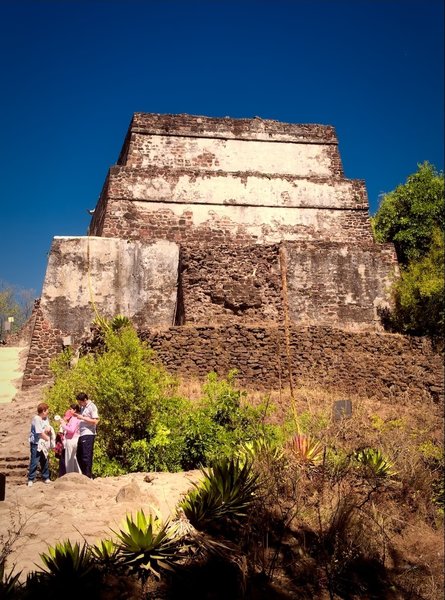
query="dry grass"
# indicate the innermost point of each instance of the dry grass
(343, 533)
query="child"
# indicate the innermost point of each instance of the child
(39, 441)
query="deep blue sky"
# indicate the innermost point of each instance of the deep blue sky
(73, 72)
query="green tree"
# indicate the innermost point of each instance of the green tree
(127, 386)
(413, 218)
(419, 293)
(15, 302)
(410, 214)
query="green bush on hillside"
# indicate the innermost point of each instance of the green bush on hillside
(144, 424)
(413, 218)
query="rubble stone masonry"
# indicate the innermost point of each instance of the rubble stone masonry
(375, 365)
(257, 222)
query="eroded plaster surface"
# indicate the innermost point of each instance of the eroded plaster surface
(87, 276)
(230, 155)
(235, 189)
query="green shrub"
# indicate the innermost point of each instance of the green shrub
(144, 425)
(223, 496)
(374, 462)
(125, 383)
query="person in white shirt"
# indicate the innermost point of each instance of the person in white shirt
(89, 418)
(39, 440)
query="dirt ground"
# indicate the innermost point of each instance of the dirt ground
(77, 508)
(73, 507)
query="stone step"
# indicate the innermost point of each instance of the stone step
(15, 469)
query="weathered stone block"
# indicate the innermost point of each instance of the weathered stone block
(109, 276)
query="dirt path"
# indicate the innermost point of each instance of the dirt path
(72, 507)
(77, 508)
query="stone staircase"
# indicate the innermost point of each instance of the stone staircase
(16, 411)
(15, 469)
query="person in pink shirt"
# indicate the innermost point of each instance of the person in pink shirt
(70, 426)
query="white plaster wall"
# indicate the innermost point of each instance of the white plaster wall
(231, 189)
(301, 159)
(266, 225)
(115, 276)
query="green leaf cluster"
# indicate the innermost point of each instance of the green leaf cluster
(224, 494)
(410, 214)
(419, 294)
(375, 462)
(144, 424)
(413, 218)
(146, 545)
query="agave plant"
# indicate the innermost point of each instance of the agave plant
(9, 582)
(306, 450)
(105, 553)
(375, 462)
(146, 545)
(261, 448)
(68, 566)
(102, 324)
(118, 322)
(225, 493)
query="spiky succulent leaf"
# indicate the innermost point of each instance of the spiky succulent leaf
(146, 545)
(9, 582)
(225, 492)
(375, 462)
(67, 566)
(306, 450)
(105, 551)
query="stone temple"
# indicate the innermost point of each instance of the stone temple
(214, 235)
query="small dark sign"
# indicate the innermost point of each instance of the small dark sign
(342, 409)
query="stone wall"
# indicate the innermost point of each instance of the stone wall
(331, 283)
(327, 283)
(226, 199)
(109, 276)
(248, 179)
(46, 343)
(185, 223)
(371, 364)
(225, 283)
(87, 277)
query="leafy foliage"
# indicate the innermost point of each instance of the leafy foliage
(410, 214)
(144, 425)
(413, 218)
(126, 385)
(222, 422)
(419, 294)
(375, 462)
